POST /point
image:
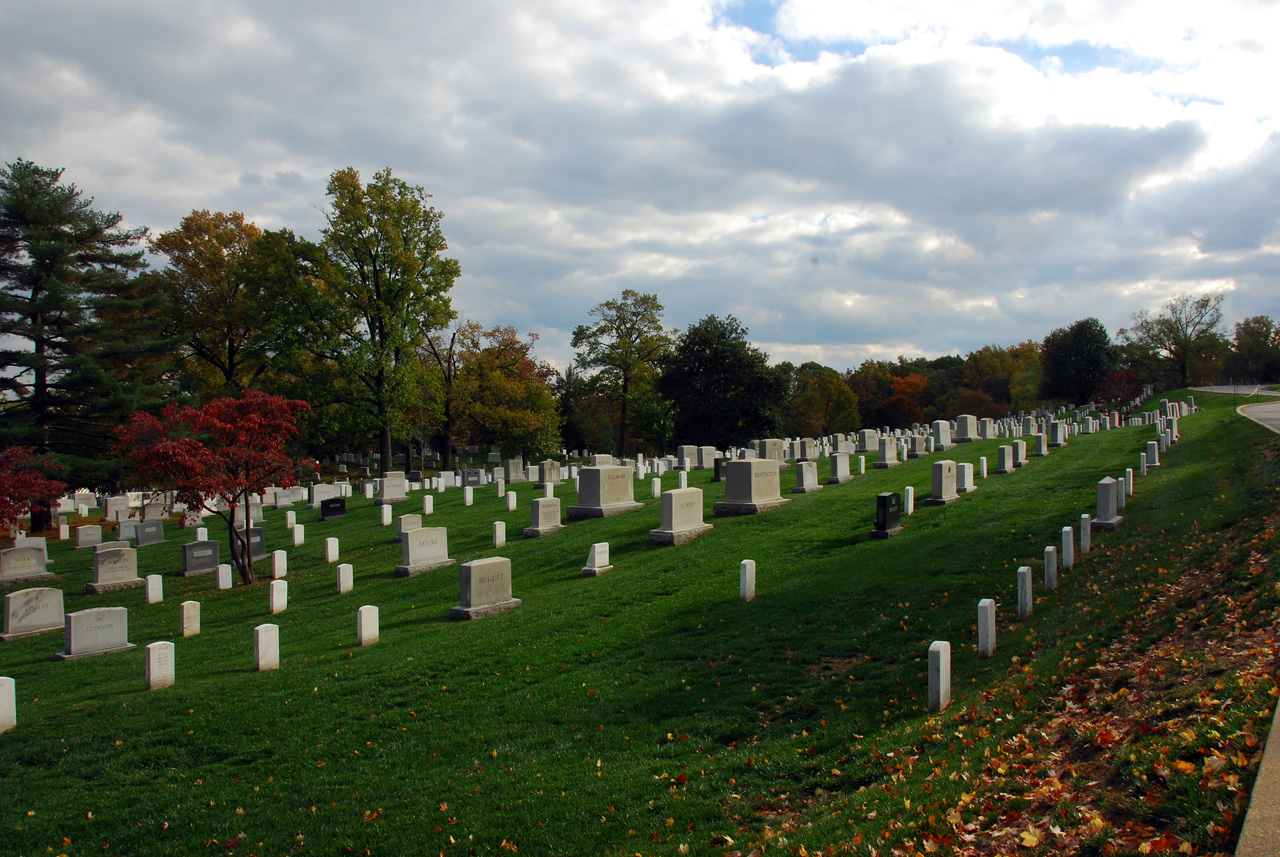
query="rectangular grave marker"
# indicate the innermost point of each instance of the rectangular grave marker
(149, 533)
(939, 675)
(367, 625)
(603, 492)
(681, 517)
(113, 569)
(1108, 518)
(266, 647)
(986, 627)
(278, 597)
(331, 550)
(944, 484)
(199, 558)
(99, 631)
(888, 515)
(155, 588)
(1068, 548)
(189, 625)
(1050, 568)
(1025, 593)
(499, 534)
(333, 508)
(224, 576)
(747, 580)
(32, 611)
(159, 670)
(751, 487)
(422, 550)
(597, 560)
(484, 589)
(345, 578)
(8, 704)
(23, 563)
(544, 518)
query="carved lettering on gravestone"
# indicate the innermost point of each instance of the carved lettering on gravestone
(333, 508)
(484, 589)
(888, 515)
(96, 632)
(200, 558)
(32, 611)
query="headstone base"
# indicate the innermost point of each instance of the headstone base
(22, 576)
(885, 465)
(535, 532)
(884, 534)
(808, 489)
(1002, 471)
(1053, 445)
(962, 489)
(387, 501)
(465, 613)
(838, 480)
(99, 588)
(185, 573)
(668, 538)
(415, 570)
(939, 501)
(956, 440)
(1108, 526)
(4, 638)
(596, 572)
(725, 508)
(914, 454)
(579, 513)
(63, 656)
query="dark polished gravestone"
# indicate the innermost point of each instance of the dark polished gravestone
(333, 508)
(149, 533)
(257, 544)
(199, 558)
(888, 515)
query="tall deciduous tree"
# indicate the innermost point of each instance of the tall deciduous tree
(222, 319)
(385, 242)
(513, 404)
(1075, 360)
(1186, 330)
(722, 388)
(223, 451)
(76, 326)
(24, 489)
(625, 342)
(821, 403)
(1255, 350)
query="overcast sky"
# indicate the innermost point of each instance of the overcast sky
(850, 179)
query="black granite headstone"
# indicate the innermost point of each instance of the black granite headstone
(888, 515)
(333, 508)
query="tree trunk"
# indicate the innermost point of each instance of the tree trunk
(622, 418)
(41, 517)
(384, 450)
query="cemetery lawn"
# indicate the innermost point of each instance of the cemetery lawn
(650, 711)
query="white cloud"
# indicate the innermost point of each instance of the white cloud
(968, 174)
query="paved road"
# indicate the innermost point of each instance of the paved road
(1266, 414)
(1238, 389)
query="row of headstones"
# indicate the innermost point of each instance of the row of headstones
(1112, 495)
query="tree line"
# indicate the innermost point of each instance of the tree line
(360, 326)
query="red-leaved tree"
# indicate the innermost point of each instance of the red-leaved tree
(223, 451)
(23, 488)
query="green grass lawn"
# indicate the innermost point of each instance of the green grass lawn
(635, 712)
